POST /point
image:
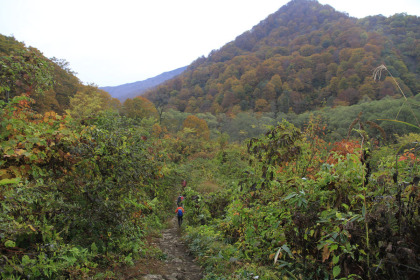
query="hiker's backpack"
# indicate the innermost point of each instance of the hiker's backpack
(180, 213)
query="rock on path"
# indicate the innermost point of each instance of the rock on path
(179, 264)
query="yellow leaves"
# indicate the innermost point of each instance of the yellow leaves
(32, 228)
(49, 117)
(9, 127)
(3, 172)
(51, 114)
(198, 126)
(325, 253)
(19, 152)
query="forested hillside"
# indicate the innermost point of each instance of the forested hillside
(50, 82)
(275, 189)
(303, 57)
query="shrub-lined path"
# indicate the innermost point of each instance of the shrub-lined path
(179, 264)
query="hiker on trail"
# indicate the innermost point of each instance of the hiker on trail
(180, 213)
(180, 200)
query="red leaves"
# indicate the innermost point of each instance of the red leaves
(408, 156)
(343, 148)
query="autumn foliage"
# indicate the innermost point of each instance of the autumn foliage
(139, 107)
(302, 57)
(87, 183)
(198, 127)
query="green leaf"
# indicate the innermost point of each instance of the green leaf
(9, 243)
(290, 196)
(9, 181)
(26, 260)
(336, 271)
(412, 125)
(336, 259)
(285, 248)
(333, 247)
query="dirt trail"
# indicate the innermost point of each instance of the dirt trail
(179, 264)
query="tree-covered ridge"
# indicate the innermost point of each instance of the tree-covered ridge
(403, 31)
(303, 57)
(50, 82)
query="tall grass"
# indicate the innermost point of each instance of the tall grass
(377, 73)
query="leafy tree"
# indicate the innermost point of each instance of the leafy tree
(198, 127)
(89, 102)
(24, 72)
(139, 107)
(66, 84)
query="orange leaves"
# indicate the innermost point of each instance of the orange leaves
(137, 215)
(408, 156)
(30, 139)
(325, 253)
(343, 148)
(50, 117)
(199, 126)
(24, 103)
(65, 156)
(159, 131)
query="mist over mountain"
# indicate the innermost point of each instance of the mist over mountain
(131, 90)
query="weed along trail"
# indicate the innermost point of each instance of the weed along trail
(178, 265)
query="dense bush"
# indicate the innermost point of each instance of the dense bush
(354, 214)
(75, 197)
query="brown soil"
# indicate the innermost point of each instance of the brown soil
(179, 264)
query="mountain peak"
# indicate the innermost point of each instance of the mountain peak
(301, 57)
(131, 90)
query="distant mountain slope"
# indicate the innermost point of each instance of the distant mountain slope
(23, 61)
(303, 57)
(131, 90)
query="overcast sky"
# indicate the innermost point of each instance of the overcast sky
(110, 43)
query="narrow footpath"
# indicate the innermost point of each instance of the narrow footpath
(179, 264)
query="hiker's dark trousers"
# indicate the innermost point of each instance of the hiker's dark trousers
(179, 221)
